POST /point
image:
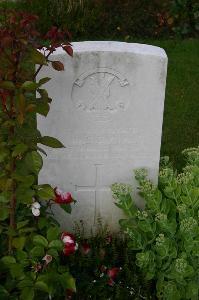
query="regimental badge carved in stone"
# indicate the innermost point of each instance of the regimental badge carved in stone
(101, 90)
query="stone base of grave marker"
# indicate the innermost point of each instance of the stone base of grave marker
(107, 110)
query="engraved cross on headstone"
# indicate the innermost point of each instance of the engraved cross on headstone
(93, 188)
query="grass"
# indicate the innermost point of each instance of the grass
(181, 114)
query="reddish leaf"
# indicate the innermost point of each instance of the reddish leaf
(52, 33)
(57, 65)
(68, 49)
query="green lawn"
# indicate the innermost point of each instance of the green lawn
(181, 114)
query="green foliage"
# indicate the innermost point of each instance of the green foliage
(185, 15)
(30, 245)
(166, 233)
(118, 19)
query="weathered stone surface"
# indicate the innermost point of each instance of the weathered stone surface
(107, 110)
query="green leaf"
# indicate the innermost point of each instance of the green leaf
(27, 294)
(53, 233)
(25, 283)
(43, 222)
(45, 192)
(51, 142)
(16, 270)
(19, 149)
(3, 154)
(8, 260)
(7, 85)
(38, 58)
(4, 294)
(34, 161)
(144, 225)
(40, 241)
(4, 213)
(53, 252)
(66, 207)
(29, 86)
(42, 286)
(37, 251)
(67, 281)
(21, 255)
(42, 108)
(4, 198)
(24, 195)
(56, 244)
(44, 80)
(19, 242)
(27, 181)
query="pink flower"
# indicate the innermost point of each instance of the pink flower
(47, 258)
(112, 273)
(85, 248)
(70, 246)
(62, 198)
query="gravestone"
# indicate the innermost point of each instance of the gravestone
(107, 110)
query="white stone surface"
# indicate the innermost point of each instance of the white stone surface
(107, 110)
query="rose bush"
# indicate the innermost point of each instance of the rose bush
(31, 247)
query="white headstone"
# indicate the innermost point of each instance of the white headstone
(107, 110)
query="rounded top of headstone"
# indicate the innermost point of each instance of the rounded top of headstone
(112, 46)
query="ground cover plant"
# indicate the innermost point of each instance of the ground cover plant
(165, 234)
(30, 243)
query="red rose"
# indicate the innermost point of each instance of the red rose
(62, 198)
(69, 249)
(70, 246)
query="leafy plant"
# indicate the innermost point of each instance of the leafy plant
(185, 14)
(165, 234)
(30, 265)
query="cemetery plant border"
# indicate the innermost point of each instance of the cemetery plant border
(165, 234)
(31, 242)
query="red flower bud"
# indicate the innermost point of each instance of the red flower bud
(112, 273)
